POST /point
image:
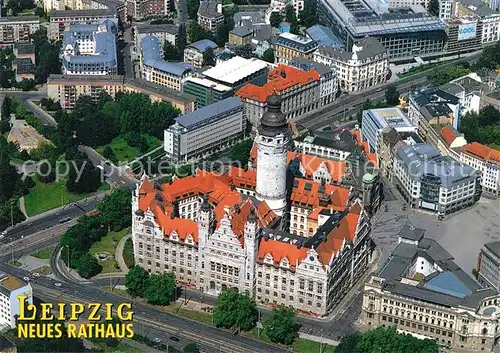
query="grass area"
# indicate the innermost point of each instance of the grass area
(128, 253)
(44, 254)
(15, 263)
(108, 244)
(299, 344)
(104, 187)
(44, 270)
(417, 69)
(495, 146)
(190, 314)
(126, 153)
(123, 348)
(44, 197)
(118, 291)
(227, 2)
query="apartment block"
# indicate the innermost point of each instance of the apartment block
(194, 52)
(210, 16)
(15, 29)
(288, 46)
(10, 288)
(486, 160)
(61, 21)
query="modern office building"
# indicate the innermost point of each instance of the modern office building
(288, 46)
(405, 32)
(164, 33)
(90, 49)
(210, 15)
(194, 52)
(433, 107)
(365, 66)
(486, 160)
(60, 21)
(435, 183)
(238, 71)
(155, 69)
(376, 120)
(222, 231)
(329, 85)
(463, 33)
(484, 20)
(488, 265)
(421, 291)
(10, 288)
(205, 131)
(67, 89)
(206, 92)
(299, 91)
(15, 29)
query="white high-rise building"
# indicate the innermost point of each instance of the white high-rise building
(272, 139)
(10, 288)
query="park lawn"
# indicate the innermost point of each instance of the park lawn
(108, 244)
(495, 146)
(190, 314)
(44, 253)
(416, 69)
(126, 153)
(123, 348)
(44, 197)
(305, 346)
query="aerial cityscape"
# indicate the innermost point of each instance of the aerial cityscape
(250, 176)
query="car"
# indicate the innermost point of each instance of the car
(58, 284)
(64, 220)
(173, 338)
(26, 278)
(36, 274)
(100, 167)
(157, 340)
(3, 234)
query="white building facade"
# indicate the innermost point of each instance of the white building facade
(487, 161)
(10, 289)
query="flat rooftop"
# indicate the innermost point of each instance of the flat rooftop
(390, 117)
(208, 83)
(10, 283)
(82, 13)
(20, 19)
(85, 79)
(235, 69)
(206, 114)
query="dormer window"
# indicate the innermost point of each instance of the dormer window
(268, 258)
(189, 239)
(284, 262)
(174, 236)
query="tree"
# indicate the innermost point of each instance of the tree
(489, 59)
(116, 209)
(88, 266)
(433, 7)
(290, 15)
(482, 127)
(46, 173)
(240, 152)
(309, 16)
(191, 348)
(236, 310)
(280, 327)
(83, 177)
(137, 281)
(392, 95)
(245, 51)
(295, 28)
(16, 6)
(108, 153)
(275, 19)
(208, 57)
(181, 39)
(268, 56)
(196, 33)
(192, 8)
(4, 126)
(45, 150)
(8, 173)
(171, 53)
(439, 76)
(160, 289)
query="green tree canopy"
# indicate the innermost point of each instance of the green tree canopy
(309, 16)
(275, 19)
(441, 75)
(482, 127)
(490, 58)
(88, 266)
(83, 177)
(280, 327)
(208, 57)
(235, 310)
(116, 209)
(196, 33)
(160, 289)
(191, 348)
(392, 95)
(137, 281)
(192, 8)
(8, 173)
(240, 152)
(268, 56)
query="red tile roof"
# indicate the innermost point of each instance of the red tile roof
(281, 78)
(279, 250)
(483, 152)
(448, 135)
(309, 196)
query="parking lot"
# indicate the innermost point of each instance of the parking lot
(462, 234)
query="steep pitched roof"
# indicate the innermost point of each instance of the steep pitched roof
(449, 135)
(307, 192)
(311, 164)
(279, 250)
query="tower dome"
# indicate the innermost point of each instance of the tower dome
(273, 120)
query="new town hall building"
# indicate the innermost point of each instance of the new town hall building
(218, 231)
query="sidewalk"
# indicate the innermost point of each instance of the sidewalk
(119, 254)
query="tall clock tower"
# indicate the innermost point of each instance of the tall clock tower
(272, 140)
